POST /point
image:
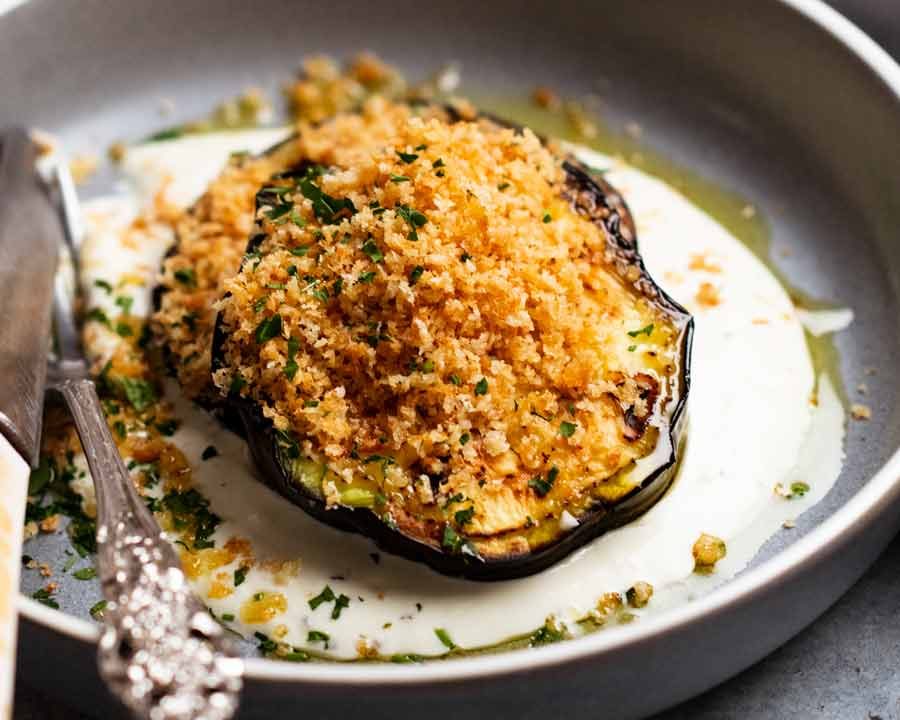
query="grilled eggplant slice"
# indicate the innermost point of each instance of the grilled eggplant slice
(546, 463)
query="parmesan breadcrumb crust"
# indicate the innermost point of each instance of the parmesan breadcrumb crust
(424, 303)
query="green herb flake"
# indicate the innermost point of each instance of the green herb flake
(445, 639)
(291, 367)
(87, 573)
(465, 516)
(327, 595)
(481, 387)
(325, 207)
(300, 251)
(268, 329)
(97, 315)
(439, 163)
(646, 330)
(237, 382)
(45, 597)
(98, 609)
(314, 636)
(503, 186)
(371, 249)
(125, 303)
(546, 634)
(103, 285)
(280, 211)
(455, 380)
(407, 158)
(799, 489)
(464, 438)
(140, 393)
(340, 603)
(542, 486)
(567, 429)
(120, 429)
(399, 178)
(124, 329)
(413, 218)
(209, 452)
(240, 574)
(632, 348)
(366, 277)
(547, 217)
(415, 274)
(186, 276)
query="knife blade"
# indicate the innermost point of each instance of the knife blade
(30, 237)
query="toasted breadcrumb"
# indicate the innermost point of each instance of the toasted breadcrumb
(858, 411)
(442, 307)
(708, 295)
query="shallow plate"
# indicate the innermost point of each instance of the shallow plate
(785, 103)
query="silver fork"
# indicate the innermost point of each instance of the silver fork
(160, 651)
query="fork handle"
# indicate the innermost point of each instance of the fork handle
(160, 651)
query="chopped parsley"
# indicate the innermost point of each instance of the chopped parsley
(366, 277)
(567, 429)
(240, 575)
(464, 438)
(140, 393)
(45, 597)
(97, 609)
(415, 274)
(87, 573)
(325, 207)
(399, 178)
(327, 595)
(481, 387)
(120, 429)
(300, 251)
(125, 303)
(190, 513)
(167, 427)
(97, 315)
(464, 517)
(632, 348)
(340, 603)
(103, 285)
(280, 211)
(414, 219)
(547, 217)
(455, 379)
(455, 543)
(445, 639)
(798, 489)
(291, 367)
(268, 329)
(542, 486)
(371, 249)
(646, 330)
(186, 276)
(237, 382)
(124, 329)
(209, 452)
(546, 634)
(407, 158)
(318, 636)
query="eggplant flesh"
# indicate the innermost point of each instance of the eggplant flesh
(300, 478)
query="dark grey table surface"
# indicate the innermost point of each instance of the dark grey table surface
(845, 666)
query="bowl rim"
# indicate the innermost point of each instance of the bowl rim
(863, 509)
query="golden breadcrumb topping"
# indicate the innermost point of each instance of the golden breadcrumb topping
(212, 234)
(431, 306)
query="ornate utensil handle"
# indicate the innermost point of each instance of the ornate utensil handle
(160, 651)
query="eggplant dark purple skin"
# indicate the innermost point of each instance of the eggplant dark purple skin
(593, 197)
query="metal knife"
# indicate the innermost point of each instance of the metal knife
(30, 238)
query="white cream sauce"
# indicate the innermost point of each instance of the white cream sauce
(752, 425)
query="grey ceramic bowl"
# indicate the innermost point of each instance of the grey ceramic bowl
(784, 102)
